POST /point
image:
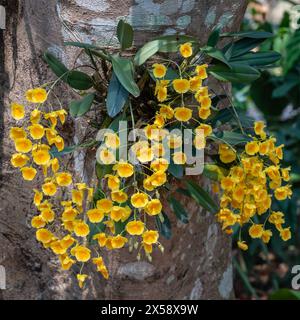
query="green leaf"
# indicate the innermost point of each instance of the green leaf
(216, 54)
(237, 73)
(213, 38)
(102, 170)
(285, 294)
(183, 191)
(56, 66)
(98, 195)
(120, 227)
(80, 107)
(292, 51)
(234, 138)
(147, 51)
(176, 170)
(223, 116)
(241, 47)
(123, 68)
(164, 228)
(79, 80)
(249, 34)
(285, 21)
(90, 49)
(114, 125)
(116, 97)
(201, 196)
(210, 174)
(76, 79)
(169, 43)
(228, 50)
(94, 229)
(261, 93)
(227, 115)
(257, 59)
(57, 154)
(125, 34)
(171, 74)
(178, 209)
(284, 89)
(217, 99)
(214, 172)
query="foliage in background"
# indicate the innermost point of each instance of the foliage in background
(275, 97)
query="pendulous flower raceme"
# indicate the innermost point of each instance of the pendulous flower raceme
(250, 187)
(78, 223)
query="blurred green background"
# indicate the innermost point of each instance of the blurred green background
(264, 271)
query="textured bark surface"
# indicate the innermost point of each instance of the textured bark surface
(196, 263)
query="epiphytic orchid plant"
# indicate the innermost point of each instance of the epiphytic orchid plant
(162, 95)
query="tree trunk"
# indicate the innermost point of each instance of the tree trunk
(196, 263)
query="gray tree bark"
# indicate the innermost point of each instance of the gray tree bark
(196, 263)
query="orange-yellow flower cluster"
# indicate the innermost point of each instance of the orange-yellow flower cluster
(251, 185)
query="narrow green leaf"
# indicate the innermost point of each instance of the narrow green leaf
(80, 107)
(227, 50)
(184, 192)
(235, 138)
(125, 34)
(284, 89)
(237, 73)
(92, 49)
(223, 116)
(176, 170)
(171, 74)
(57, 154)
(123, 68)
(98, 195)
(244, 277)
(214, 172)
(100, 54)
(147, 51)
(213, 38)
(257, 59)
(102, 170)
(261, 93)
(249, 34)
(201, 196)
(232, 138)
(217, 99)
(169, 43)
(79, 80)
(76, 79)
(116, 97)
(285, 294)
(210, 174)
(114, 125)
(164, 228)
(292, 50)
(94, 229)
(216, 54)
(227, 115)
(178, 209)
(178, 38)
(242, 46)
(56, 66)
(120, 227)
